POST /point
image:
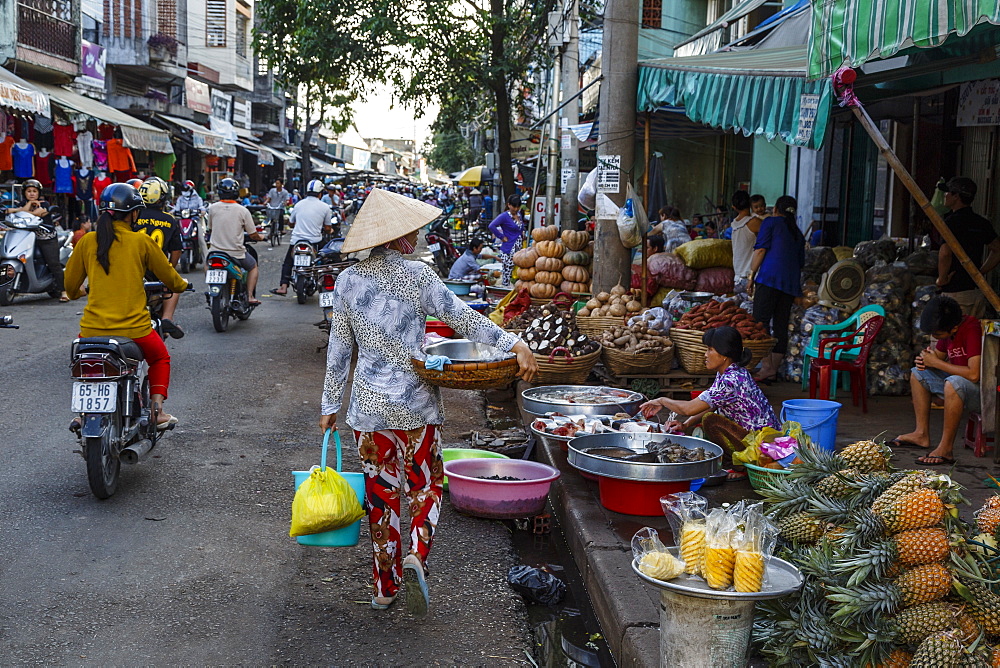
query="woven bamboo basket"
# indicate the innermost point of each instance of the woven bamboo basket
(621, 363)
(470, 375)
(594, 326)
(691, 351)
(762, 478)
(565, 370)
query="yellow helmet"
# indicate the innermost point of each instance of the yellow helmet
(154, 191)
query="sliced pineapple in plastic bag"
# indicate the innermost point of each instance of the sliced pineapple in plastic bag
(653, 556)
(685, 511)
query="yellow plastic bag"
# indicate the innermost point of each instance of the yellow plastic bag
(324, 502)
(497, 314)
(706, 253)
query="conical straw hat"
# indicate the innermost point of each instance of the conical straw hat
(386, 216)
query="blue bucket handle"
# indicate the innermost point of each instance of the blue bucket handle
(812, 426)
(326, 444)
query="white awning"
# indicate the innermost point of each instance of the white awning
(203, 139)
(16, 93)
(264, 154)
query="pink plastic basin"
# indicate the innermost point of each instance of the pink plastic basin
(499, 499)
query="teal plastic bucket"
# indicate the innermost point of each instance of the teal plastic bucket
(818, 418)
(348, 535)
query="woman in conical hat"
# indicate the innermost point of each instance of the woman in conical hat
(380, 306)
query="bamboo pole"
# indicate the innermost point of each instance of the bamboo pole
(645, 229)
(903, 175)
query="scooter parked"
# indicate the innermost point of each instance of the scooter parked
(330, 262)
(22, 267)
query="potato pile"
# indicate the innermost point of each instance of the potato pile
(635, 339)
(719, 314)
(618, 303)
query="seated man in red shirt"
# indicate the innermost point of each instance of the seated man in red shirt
(947, 374)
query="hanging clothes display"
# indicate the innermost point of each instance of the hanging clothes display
(85, 192)
(43, 167)
(101, 181)
(43, 133)
(163, 165)
(105, 131)
(64, 139)
(85, 149)
(120, 157)
(100, 150)
(63, 176)
(23, 157)
(6, 161)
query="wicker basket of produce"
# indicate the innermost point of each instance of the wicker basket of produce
(470, 375)
(636, 349)
(691, 351)
(562, 368)
(595, 325)
(761, 478)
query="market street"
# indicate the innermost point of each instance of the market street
(190, 562)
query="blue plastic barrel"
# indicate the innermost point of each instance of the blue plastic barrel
(347, 536)
(818, 418)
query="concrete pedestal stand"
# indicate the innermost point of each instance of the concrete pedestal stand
(704, 628)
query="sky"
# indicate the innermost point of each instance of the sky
(376, 117)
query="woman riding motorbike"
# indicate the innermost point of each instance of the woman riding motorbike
(114, 261)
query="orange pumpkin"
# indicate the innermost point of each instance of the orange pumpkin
(571, 287)
(542, 291)
(545, 233)
(576, 274)
(548, 264)
(575, 239)
(550, 248)
(525, 257)
(526, 273)
(550, 277)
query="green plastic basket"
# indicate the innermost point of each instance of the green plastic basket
(760, 477)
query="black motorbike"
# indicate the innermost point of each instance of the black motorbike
(116, 420)
(227, 295)
(190, 244)
(441, 246)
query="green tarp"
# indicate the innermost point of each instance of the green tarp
(760, 92)
(852, 32)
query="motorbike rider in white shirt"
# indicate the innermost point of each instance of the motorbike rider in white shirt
(310, 218)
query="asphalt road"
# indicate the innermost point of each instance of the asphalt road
(190, 562)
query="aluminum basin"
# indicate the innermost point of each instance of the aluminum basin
(463, 350)
(534, 404)
(611, 467)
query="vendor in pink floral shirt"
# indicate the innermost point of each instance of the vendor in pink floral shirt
(732, 407)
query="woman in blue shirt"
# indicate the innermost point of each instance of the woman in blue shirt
(775, 278)
(507, 229)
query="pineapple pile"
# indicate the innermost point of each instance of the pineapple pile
(892, 577)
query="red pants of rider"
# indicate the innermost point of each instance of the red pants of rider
(158, 360)
(383, 453)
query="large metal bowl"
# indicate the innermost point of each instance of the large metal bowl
(534, 404)
(581, 458)
(463, 350)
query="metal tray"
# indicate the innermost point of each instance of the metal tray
(781, 579)
(539, 407)
(463, 350)
(611, 467)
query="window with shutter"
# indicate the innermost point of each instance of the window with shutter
(242, 31)
(215, 23)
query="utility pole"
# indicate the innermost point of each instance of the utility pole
(616, 144)
(557, 34)
(571, 112)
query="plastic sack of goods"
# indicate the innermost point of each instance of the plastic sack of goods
(818, 262)
(875, 253)
(671, 272)
(817, 315)
(923, 262)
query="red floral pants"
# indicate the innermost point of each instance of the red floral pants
(393, 460)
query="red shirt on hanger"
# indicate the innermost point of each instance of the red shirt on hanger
(64, 139)
(100, 185)
(6, 161)
(43, 170)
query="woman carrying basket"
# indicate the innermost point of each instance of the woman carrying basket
(380, 306)
(732, 407)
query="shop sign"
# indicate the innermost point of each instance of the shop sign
(524, 143)
(222, 105)
(609, 169)
(979, 103)
(92, 62)
(241, 113)
(565, 175)
(538, 211)
(808, 108)
(209, 143)
(198, 96)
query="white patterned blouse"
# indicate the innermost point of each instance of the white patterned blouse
(381, 305)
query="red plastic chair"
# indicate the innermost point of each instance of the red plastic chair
(821, 371)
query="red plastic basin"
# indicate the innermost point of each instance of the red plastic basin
(439, 328)
(636, 497)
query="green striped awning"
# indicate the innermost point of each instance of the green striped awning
(852, 32)
(758, 92)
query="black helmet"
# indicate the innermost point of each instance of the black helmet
(120, 197)
(227, 189)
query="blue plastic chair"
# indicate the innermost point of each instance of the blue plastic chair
(820, 332)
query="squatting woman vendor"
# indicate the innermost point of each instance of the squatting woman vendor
(732, 407)
(380, 306)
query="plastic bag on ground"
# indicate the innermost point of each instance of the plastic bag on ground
(536, 585)
(325, 501)
(875, 253)
(818, 262)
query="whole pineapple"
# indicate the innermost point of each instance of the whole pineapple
(866, 456)
(917, 622)
(984, 606)
(801, 528)
(916, 510)
(837, 485)
(941, 649)
(907, 548)
(911, 482)
(988, 519)
(920, 584)
(898, 658)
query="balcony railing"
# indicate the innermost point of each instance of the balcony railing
(48, 34)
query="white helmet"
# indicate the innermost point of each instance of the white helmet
(315, 187)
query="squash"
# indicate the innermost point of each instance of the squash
(549, 277)
(547, 233)
(550, 248)
(576, 257)
(525, 257)
(575, 239)
(548, 264)
(522, 285)
(543, 291)
(526, 273)
(571, 287)
(576, 274)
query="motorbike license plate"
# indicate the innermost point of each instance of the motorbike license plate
(95, 397)
(302, 260)
(326, 299)
(434, 248)
(215, 276)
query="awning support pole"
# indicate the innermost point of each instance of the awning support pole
(842, 84)
(645, 230)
